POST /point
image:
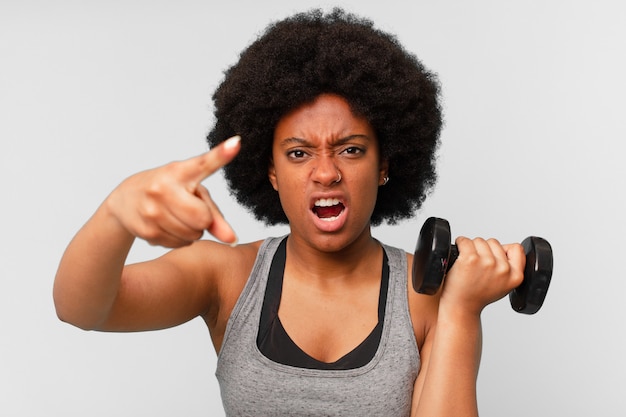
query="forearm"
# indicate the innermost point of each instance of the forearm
(449, 385)
(89, 274)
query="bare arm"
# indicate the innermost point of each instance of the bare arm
(166, 206)
(446, 384)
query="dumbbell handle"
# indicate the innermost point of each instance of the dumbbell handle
(454, 254)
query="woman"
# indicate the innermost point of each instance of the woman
(337, 127)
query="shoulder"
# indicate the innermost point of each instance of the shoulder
(227, 269)
(212, 261)
(225, 258)
(213, 272)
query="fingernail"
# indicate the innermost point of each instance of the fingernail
(235, 242)
(232, 142)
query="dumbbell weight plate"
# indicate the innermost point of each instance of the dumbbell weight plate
(432, 252)
(529, 296)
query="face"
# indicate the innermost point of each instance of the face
(326, 167)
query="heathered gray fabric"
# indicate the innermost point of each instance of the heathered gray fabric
(253, 385)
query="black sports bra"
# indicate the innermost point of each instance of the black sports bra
(274, 342)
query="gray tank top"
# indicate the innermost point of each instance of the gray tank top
(253, 385)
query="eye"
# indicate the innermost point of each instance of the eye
(353, 151)
(296, 154)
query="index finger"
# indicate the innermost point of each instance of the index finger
(514, 252)
(516, 256)
(202, 166)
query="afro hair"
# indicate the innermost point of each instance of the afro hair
(312, 53)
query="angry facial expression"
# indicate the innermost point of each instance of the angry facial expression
(326, 167)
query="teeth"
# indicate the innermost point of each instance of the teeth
(328, 219)
(326, 202)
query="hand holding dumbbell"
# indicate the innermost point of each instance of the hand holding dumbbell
(435, 255)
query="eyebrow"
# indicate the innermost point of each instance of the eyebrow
(340, 141)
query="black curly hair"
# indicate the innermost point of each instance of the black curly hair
(311, 53)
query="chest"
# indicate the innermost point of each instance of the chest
(329, 326)
(252, 384)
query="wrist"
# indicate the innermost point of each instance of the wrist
(456, 312)
(107, 223)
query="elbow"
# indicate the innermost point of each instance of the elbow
(70, 314)
(73, 319)
(79, 323)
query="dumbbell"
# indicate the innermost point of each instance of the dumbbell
(435, 255)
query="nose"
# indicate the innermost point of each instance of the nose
(325, 171)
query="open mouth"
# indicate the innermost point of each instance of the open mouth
(328, 209)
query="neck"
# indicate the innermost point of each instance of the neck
(348, 262)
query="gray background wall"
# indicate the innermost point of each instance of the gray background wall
(91, 92)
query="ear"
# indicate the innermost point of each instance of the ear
(383, 171)
(271, 174)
